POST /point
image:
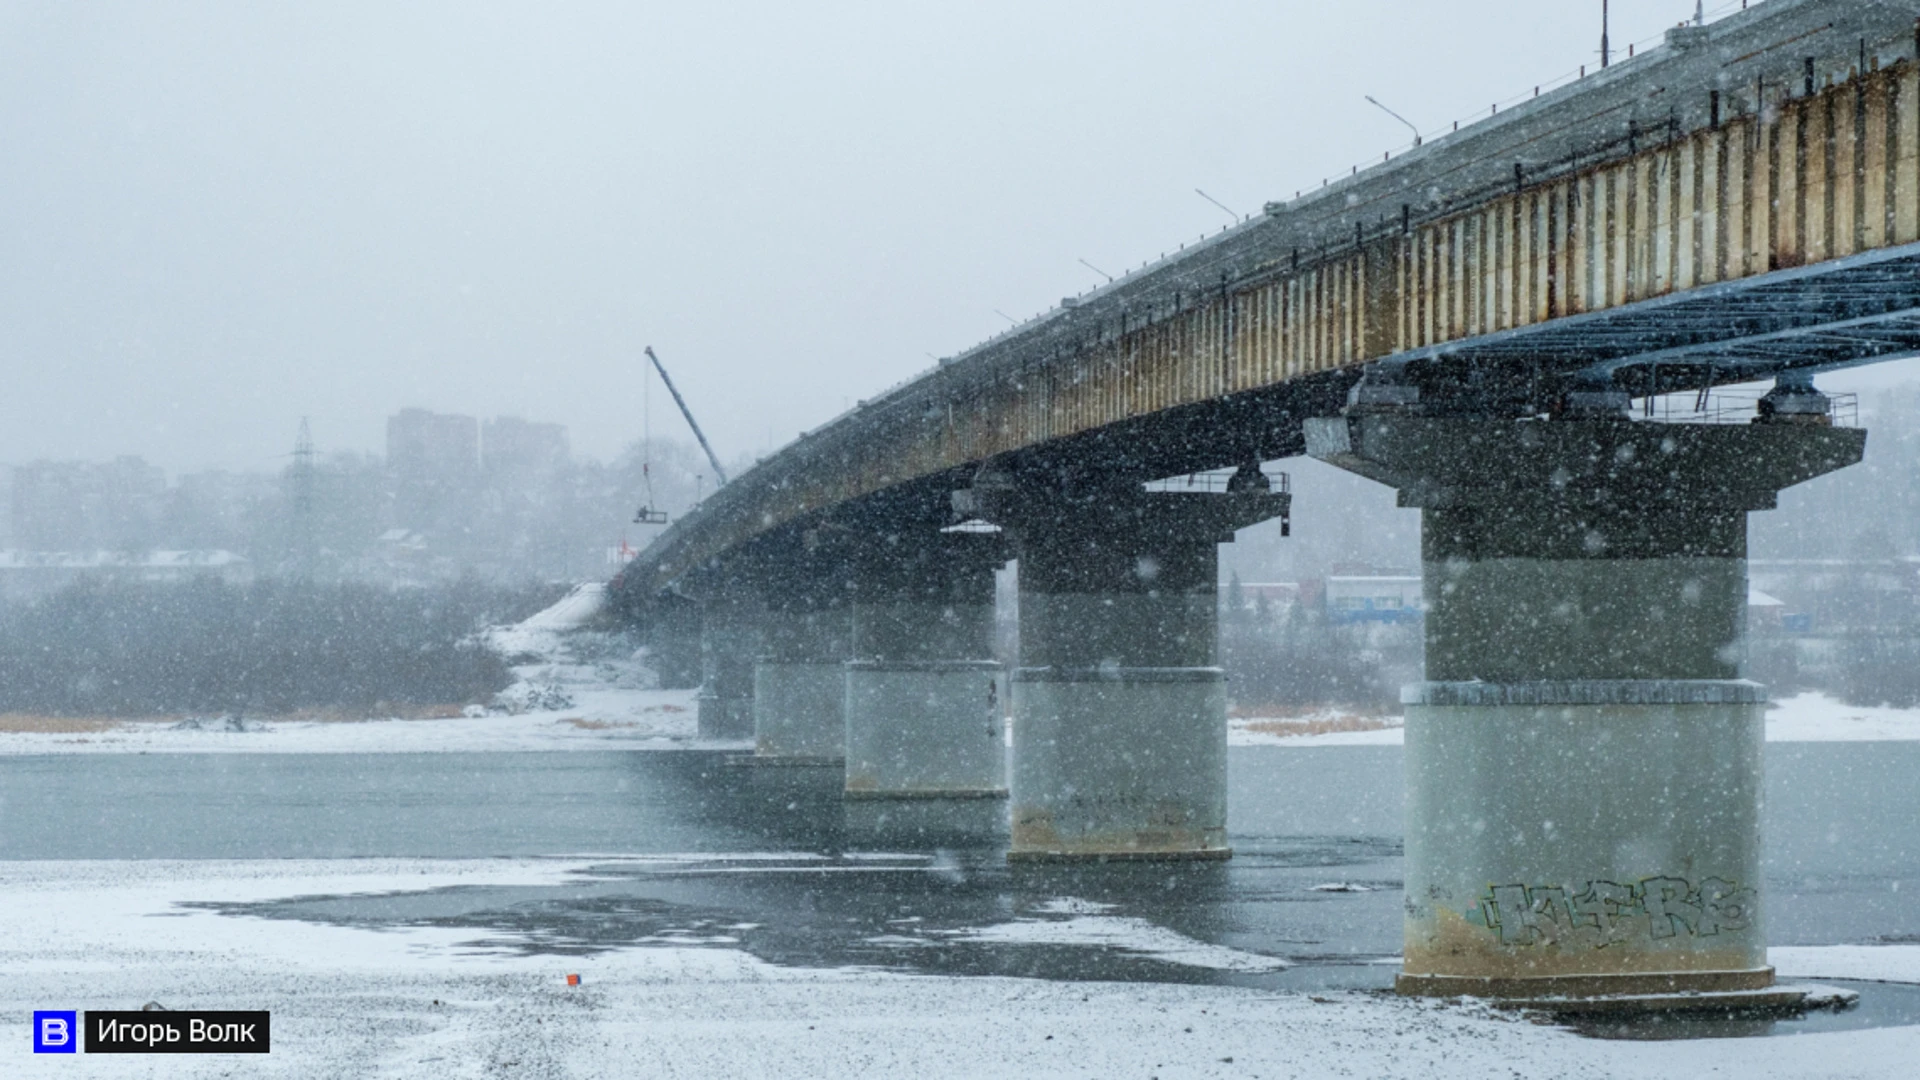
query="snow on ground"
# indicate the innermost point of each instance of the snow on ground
(629, 720)
(578, 688)
(354, 1002)
(1088, 923)
(1814, 717)
(1877, 963)
(1807, 717)
(350, 1002)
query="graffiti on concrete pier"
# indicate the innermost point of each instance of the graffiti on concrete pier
(1608, 913)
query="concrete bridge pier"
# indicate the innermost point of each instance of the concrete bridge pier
(1584, 761)
(799, 678)
(669, 630)
(730, 627)
(1120, 727)
(923, 709)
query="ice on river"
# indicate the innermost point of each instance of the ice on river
(1071, 921)
(350, 1002)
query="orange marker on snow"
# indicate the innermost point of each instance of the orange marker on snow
(573, 980)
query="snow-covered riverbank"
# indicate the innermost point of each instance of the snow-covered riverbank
(602, 715)
(574, 689)
(420, 1001)
(579, 689)
(395, 997)
(1809, 717)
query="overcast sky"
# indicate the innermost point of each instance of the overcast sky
(217, 218)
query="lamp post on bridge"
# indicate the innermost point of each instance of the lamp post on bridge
(1604, 51)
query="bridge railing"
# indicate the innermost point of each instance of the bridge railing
(1622, 54)
(1733, 405)
(1215, 482)
(1472, 250)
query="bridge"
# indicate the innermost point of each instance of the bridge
(1470, 321)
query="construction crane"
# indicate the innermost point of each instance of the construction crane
(718, 472)
(648, 514)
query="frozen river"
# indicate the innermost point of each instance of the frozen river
(414, 913)
(1315, 879)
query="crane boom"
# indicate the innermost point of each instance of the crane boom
(718, 472)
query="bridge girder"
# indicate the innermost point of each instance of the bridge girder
(1739, 202)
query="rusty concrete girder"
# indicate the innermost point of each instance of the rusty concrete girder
(1707, 212)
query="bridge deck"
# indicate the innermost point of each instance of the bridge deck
(1743, 199)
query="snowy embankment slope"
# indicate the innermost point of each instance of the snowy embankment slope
(348, 1001)
(1808, 717)
(574, 689)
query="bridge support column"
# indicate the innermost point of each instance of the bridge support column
(1584, 763)
(799, 680)
(1120, 725)
(673, 642)
(729, 641)
(923, 712)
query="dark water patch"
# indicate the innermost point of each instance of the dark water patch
(924, 914)
(1316, 877)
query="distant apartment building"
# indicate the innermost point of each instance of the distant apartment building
(218, 509)
(434, 459)
(86, 505)
(72, 519)
(26, 574)
(515, 452)
(422, 444)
